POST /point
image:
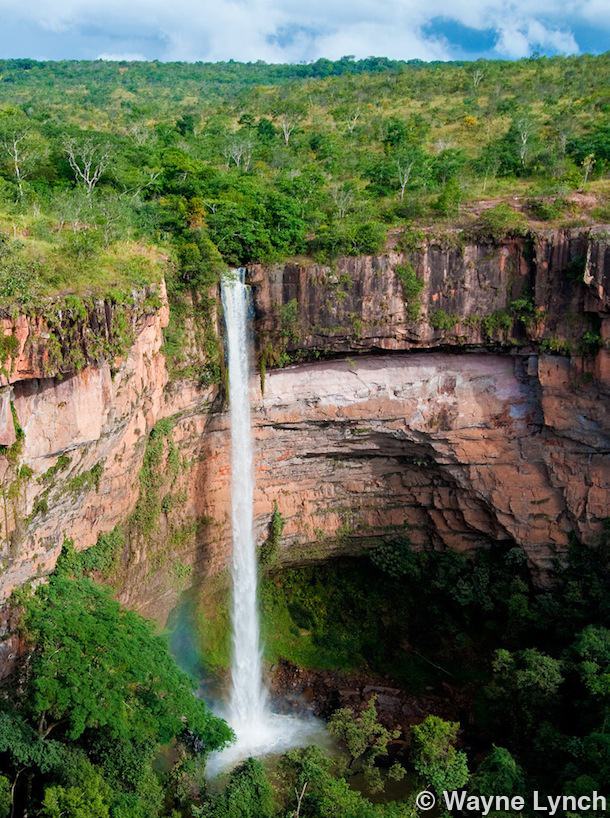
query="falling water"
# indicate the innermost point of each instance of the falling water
(258, 731)
(247, 709)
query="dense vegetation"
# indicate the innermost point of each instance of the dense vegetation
(103, 164)
(534, 662)
(102, 724)
(95, 697)
(530, 666)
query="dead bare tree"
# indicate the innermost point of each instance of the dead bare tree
(343, 200)
(299, 796)
(88, 161)
(14, 145)
(587, 165)
(404, 174)
(239, 151)
(524, 129)
(288, 124)
(350, 118)
(476, 76)
(139, 133)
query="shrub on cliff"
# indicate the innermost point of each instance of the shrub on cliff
(501, 221)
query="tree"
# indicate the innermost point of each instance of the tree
(82, 673)
(265, 130)
(348, 114)
(525, 686)
(98, 679)
(186, 124)
(5, 797)
(364, 737)
(449, 199)
(343, 198)
(498, 774)
(530, 672)
(289, 114)
(88, 161)
(434, 756)
(588, 164)
(248, 794)
(72, 802)
(397, 133)
(407, 163)
(25, 750)
(476, 77)
(21, 145)
(306, 777)
(592, 646)
(524, 128)
(239, 150)
(14, 146)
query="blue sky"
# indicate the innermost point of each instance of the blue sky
(301, 30)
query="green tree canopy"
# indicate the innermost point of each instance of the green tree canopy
(97, 665)
(434, 756)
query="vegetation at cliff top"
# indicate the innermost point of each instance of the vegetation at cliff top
(107, 170)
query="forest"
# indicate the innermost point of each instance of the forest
(108, 168)
(115, 175)
(90, 732)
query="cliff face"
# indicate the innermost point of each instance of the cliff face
(550, 287)
(453, 451)
(468, 433)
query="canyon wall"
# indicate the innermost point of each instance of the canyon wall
(549, 288)
(448, 418)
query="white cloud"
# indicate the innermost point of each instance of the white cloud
(553, 38)
(293, 30)
(519, 41)
(512, 42)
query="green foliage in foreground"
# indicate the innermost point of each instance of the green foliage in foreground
(97, 698)
(533, 662)
(306, 782)
(82, 674)
(248, 794)
(366, 740)
(435, 758)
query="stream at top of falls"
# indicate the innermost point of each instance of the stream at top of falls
(258, 730)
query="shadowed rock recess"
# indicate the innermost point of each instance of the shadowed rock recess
(467, 408)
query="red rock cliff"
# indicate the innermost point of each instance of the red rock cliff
(465, 431)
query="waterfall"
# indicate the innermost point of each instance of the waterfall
(258, 731)
(247, 709)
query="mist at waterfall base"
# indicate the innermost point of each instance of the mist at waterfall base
(258, 730)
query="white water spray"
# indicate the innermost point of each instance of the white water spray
(257, 729)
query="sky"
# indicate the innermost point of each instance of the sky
(300, 30)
